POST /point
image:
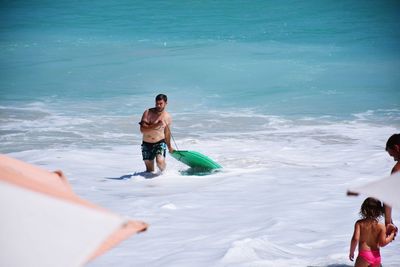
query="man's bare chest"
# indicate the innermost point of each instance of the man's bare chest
(154, 117)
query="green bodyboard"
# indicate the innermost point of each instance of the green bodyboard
(195, 159)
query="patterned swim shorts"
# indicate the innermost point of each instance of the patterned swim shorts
(150, 150)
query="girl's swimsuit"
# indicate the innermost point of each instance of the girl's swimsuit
(373, 257)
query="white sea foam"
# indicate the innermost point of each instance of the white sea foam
(279, 200)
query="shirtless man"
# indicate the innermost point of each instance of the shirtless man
(155, 127)
(393, 148)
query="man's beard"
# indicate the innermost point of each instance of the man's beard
(159, 109)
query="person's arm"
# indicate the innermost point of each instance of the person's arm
(167, 133)
(383, 239)
(354, 240)
(388, 209)
(146, 126)
(388, 214)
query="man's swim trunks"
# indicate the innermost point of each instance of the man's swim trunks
(373, 257)
(150, 150)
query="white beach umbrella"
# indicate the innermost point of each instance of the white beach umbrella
(43, 223)
(386, 190)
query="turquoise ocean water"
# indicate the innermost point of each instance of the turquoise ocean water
(282, 58)
(277, 57)
(77, 59)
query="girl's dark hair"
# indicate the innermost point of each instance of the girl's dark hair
(371, 208)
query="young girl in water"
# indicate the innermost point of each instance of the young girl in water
(369, 234)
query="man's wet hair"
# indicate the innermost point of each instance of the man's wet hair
(392, 141)
(161, 97)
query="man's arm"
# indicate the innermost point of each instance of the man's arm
(388, 209)
(146, 126)
(388, 214)
(167, 133)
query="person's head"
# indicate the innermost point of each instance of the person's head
(393, 146)
(371, 208)
(161, 102)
